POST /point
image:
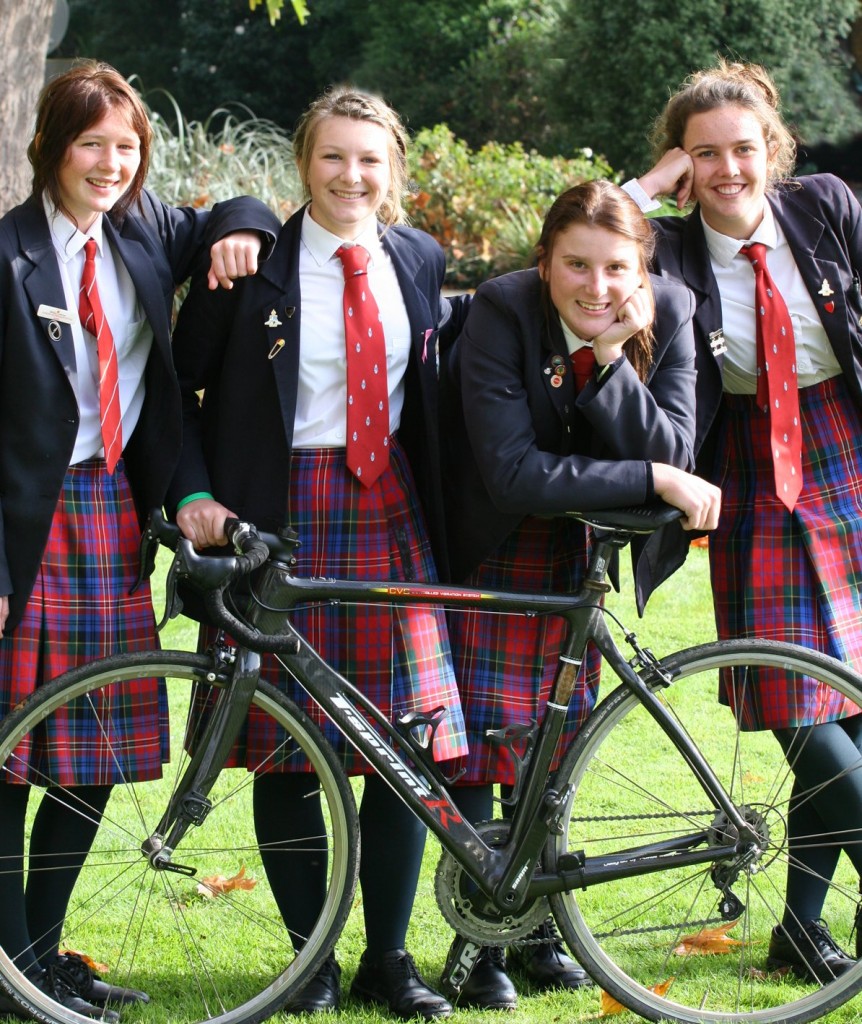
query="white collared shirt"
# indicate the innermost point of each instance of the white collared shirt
(573, 342)
(815, 360)
(321, 407)
(133, 336)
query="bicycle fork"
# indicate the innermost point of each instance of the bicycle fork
(190, 804)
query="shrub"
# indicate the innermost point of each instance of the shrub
(486, 207)
(199, 163)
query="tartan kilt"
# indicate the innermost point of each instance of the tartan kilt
(505, 664)
(80, 609)
(399, 657)
(790, 576)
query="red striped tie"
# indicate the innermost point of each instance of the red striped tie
(93, 318)
(776, 362)
(367, 387)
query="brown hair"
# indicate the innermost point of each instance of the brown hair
(729, 84)
(604, 205)
(344, 101)
(68, 106)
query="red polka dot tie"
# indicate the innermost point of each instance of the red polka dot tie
(583, 363)
(777, 387)
(93, 318)
(367, 387)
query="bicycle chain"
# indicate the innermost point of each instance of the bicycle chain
(647, 817)
(659, 928)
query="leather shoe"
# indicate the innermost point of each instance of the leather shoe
(393, 980)
(90, 986)
(545, 962)
(488, 987)
(321, 993)
(59, 984)
(809, 950)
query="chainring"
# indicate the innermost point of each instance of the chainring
(473, 915)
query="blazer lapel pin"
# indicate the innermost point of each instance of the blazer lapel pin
(273, 320)
(717, 342)
(825, 289)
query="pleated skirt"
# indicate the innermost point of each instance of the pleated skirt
(791, 576)
(81, 609)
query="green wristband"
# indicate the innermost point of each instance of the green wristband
(194, 497)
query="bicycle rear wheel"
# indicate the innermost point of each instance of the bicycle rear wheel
(211, 946)
(662, 944)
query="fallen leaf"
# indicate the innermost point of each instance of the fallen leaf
(94, 965)
(709, 941)
(218, 885)
(609, 1005)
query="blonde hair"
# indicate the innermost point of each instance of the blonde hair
(344, 101)
(729, 84)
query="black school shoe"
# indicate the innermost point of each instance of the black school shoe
(809, 950)
(545, 962)
(393, 981)
(55, 983)
(322, 992)
(90, 986)
(488, 986)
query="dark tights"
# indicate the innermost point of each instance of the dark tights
(286, 812)
(818, 754)
(31, 922)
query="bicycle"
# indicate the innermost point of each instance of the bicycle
(637, 863)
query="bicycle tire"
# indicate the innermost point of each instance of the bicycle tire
(655, 943)
(155, 929)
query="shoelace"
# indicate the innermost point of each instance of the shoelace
(76, 973)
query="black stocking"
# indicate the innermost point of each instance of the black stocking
(818, 754)
(393, 840)
(63, 831)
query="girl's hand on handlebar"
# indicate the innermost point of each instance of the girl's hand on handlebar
(699, 500)
(202, 522)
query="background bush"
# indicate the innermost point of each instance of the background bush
(486, 206)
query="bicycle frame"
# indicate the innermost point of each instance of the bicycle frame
(507, 874)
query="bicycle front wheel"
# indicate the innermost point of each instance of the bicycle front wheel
(691, 943)
(207, 943)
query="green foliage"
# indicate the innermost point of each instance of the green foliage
(618, 63)
(273, 9)
(198, 163)
(212, 53)
(485, 206)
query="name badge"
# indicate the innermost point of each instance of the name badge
(55, 313)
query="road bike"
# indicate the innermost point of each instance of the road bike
(647, 864)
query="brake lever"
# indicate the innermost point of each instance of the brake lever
(173, 601)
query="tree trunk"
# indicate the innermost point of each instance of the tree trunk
(24, 31)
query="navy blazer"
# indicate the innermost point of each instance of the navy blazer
(38, 411)
(237, 443)
(537, 448)
(822, 221)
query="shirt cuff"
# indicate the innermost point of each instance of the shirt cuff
(604, 373)
(634, 191)
(194, 497)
